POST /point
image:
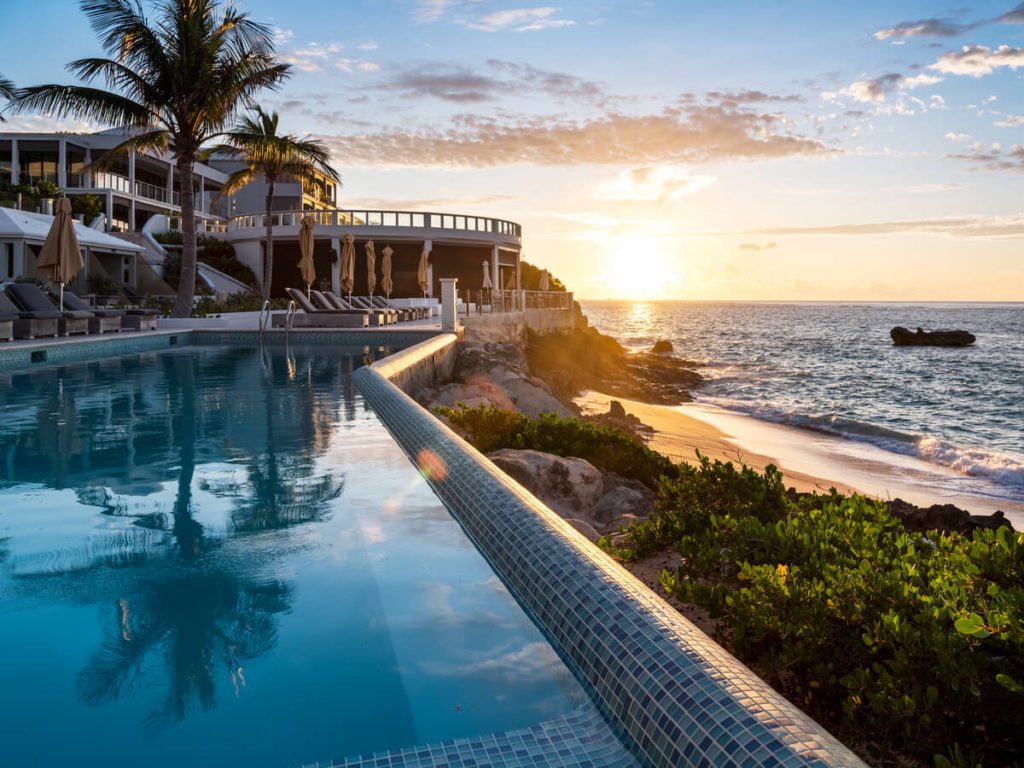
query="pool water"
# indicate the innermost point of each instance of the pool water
(218, 556)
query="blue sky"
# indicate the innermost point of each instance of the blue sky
(732, 149)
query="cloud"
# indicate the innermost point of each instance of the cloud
(465, 14)
(312, 57)
(461, 85)
(518, 20)
(958, 137)
(989, 227)
(875, 90)
(676, 135)
(757, 247)
(923, 28)
(1010, 121)
(662, 183)
(993, 157)
(429, 11)
(979, 60)
(919, 189)
(1013, 16)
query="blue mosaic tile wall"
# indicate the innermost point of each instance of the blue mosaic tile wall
(674, 696)
(579, 740)
(49, 351)
(394, 339)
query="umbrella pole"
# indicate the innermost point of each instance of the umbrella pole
(62, 297)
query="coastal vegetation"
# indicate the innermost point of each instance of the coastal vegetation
(174, 81)
(272, 157)
(908, 645)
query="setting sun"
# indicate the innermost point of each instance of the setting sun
(637, 267)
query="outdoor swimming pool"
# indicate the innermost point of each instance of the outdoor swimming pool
(218, 556)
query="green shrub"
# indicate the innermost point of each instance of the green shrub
(607, 448)
(905, 644)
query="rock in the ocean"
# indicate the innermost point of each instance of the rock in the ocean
(570, 486)
(903, 337)
(661, 347)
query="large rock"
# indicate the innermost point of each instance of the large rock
(944, 517)
(569, 486)
(495, 374)
(620, 502)
(902, 337)
(661, 347)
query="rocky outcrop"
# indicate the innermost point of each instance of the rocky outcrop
(903, 337)
(593, 502)
(662, 347)
(618, 417)
(495, 374)
(587, 359)
(944, 517)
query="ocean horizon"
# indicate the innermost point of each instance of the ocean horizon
(830, 367)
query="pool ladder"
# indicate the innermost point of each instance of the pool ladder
(267, 314)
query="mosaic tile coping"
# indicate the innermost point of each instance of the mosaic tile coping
(673, 695)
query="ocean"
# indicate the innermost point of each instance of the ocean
(832, 368)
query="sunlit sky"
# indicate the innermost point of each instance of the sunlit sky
(690, 150)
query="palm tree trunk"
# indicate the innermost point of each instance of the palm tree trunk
(268, 261)
(187, 285)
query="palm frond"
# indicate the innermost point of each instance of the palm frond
(155, 140)
(6, 87)
(82, 103)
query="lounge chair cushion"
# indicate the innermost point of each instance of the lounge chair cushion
(34, 300)
(7, 306)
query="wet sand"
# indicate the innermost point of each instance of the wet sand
(808, 460)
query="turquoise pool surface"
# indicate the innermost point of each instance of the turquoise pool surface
(218, 556)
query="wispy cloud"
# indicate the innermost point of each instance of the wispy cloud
(757, 246)
(923, 28)
(429, 11)
(662, 184)
(460, 84)
(518, 20)
(676, 135)
(993, 157)
(875, 90)
(994, 227)
(979, 60)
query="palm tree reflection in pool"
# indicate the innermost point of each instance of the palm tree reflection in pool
(202, 612)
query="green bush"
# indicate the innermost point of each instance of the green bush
(907, 645)
(607, 448)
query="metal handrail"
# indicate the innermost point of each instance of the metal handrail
(289, 319)
(265, 316)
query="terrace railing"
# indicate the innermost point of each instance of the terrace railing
(366, 218)
(483, 301)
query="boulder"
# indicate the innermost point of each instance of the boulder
(903, 337)
(622, 501)
(569, 486)
(661, 347)
(584, 527)
(943, 517)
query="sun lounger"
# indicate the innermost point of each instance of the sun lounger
(29, 325)
(312, 317)
(336, 301)
(362, 302)
(102, 320)
(7, 326)
(31, 299)
(374, 318)
(411, 313)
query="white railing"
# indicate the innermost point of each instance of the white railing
(484, 301)
(366, 218)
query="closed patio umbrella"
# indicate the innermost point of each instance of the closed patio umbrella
(306, 243)
(545, 281)
(371, 267)
(60, 255)
(348, 265)
(487, 284)
(421, 273)
(385, 271)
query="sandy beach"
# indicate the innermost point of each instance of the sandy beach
(809, 461)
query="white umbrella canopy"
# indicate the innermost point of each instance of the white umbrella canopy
(421, 273)
(348, 265)
(60, 254)
(371, 266)
(306, 245)
(487, 284)
(545, 281)
(386, 284)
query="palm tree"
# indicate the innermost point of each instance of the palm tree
(6, 91)
(173, 82)
(271, 156)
